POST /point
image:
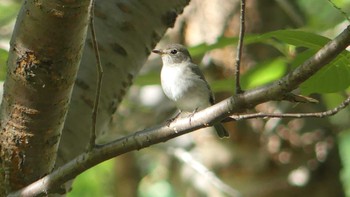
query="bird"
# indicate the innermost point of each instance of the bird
(183, 82)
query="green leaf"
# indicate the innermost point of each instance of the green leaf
(333, 77)
(261, 74)
(293, 37)
(298, 38)
(302, 57)
(264, 73)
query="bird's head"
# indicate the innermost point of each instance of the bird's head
(174, 54)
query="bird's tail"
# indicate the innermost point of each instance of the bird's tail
(221, 131)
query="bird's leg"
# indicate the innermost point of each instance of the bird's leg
(191, 115)
(172, 119)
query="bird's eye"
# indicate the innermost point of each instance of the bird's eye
(174, 51)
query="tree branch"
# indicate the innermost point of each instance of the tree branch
(206, 117)
(187, 158)
(240, 49)
(99, 78)
(330, 112)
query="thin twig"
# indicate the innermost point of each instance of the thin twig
(187, 158)
(330, 112)
(99, 79)
(240, 49)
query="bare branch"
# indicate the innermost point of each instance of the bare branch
(187, 158)
(240, 49)
(99, 78)
(330, 112)
(204, 118)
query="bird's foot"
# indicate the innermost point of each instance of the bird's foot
(172, 119)
(192, 114)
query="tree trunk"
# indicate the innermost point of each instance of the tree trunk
(42, 66)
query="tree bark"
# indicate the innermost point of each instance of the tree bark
(46, 49)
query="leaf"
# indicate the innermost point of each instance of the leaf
(302, 57)
(261, 74)
(332, 78)
(264, 73)
(292, 37)
(298, 38)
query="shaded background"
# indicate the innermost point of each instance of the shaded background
(263, 157)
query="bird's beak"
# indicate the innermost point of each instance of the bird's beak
(158, 51)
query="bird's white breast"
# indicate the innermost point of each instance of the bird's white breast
(184, 87)
(172, 80)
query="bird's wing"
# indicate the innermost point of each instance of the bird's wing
(195, 69)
